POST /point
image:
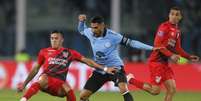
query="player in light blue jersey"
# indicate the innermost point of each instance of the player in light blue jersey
(104, 43)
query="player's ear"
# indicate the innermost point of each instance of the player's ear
(62, 39)
(181, 17)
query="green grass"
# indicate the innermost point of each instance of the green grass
(10, 95)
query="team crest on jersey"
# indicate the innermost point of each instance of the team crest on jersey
(158, 79)
(108, 44)
(65, 54)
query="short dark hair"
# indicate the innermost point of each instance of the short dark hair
(57, 31)
(97, 19)
(175, 8)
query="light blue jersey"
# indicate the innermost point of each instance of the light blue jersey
(105, 48)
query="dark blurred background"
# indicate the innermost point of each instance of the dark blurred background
(138, 19)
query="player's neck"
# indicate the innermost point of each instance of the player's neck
(57, 48)
(102, 34)
(173, 23)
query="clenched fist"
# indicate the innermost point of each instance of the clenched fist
(82, 17)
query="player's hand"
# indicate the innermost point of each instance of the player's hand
(158, 48)
(175, 58)
(194, 58)
(82, 17)
(110, 70)
(20, 88)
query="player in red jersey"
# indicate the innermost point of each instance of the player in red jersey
(168, 36)
(56, 60)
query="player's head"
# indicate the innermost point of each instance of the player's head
(175, 15)
(56, 39)
(97, 25)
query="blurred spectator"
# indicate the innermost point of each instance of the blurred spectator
(22, 56)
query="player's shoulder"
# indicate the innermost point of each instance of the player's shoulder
(88, 30)
(45, 49)
(164, 25)
(70, 50)
(111, 32)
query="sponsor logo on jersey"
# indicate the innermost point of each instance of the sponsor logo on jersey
(160, 33)
(172, 42)
(57, 61)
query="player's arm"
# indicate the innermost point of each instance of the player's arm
(184, 54)
(93, 64)
(82, 25)
(180, 50)
(34, 71)
(133, 43)
(77, 56)
(31, 75)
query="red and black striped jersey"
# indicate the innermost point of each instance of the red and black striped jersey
(56, 61)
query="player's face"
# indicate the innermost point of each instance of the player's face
(175, 16)
(56, 40)
(97, 28)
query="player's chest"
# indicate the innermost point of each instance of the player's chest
(174, 33)
(102, 44)
(172, 36)
(57, 57)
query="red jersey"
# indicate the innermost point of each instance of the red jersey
(56, 62)
(169, 36)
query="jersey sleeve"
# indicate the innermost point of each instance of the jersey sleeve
(83, 29)
(75, 55)
(41, 57)
(160, 38)
(117, 37)
(133, 43)
(180, 49)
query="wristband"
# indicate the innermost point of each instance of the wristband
(105, 69)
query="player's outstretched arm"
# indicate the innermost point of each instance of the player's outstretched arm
(135, 44)
(132, 43)
(181, 52)
(97, 66)
(31, 75)
(140, 45)
(82, 25)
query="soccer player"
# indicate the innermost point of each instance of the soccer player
(168, 36)
(104, 43)
(56, 60)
